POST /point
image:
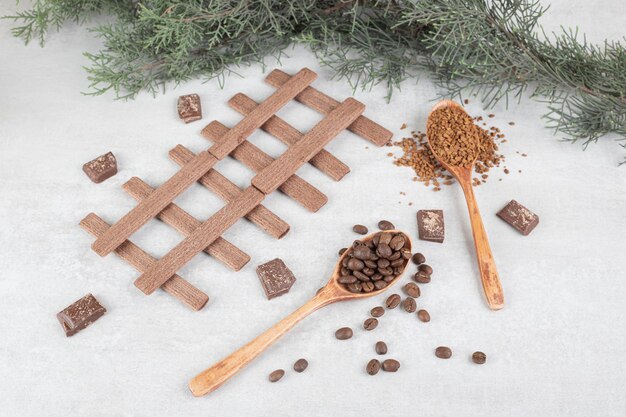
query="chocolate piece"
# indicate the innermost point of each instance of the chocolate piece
(430, 225)
(189, 108)
(80, 314)
(519, 217)
(275, 277)
(101, 168)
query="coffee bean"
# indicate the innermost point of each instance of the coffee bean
(426, 269)
(421, 277)
(368, 271)
(373, 367)
(355, 287)
(391, 365)
(377, 311)
(383, 263)
(385, 225)
(389, 278)
(276, 375)
(397, 263)
(381, 347)
(385, 271)
(342, 250)
(300, 365)
(395, 256)
(479, 358)
(344, 261)
(379, 285)
(406, 253)
(355, 264)
(423, 315)
(397, 271)
(360, 229)
(344, 271)
(370, 264)
(370, 324)
(347, 279)
(361, 276)
(376, 238)
(384, 251)
(397, 242)
(376, 277)
(443, 352)
(384, 238)
(409, 305)
(344, 333)
(367, 286)
(418, 259)
(412, 290)
(362, 252)
(393, 301)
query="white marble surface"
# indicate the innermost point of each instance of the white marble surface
(557, 349)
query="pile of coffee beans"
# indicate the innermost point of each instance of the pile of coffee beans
(372, 264)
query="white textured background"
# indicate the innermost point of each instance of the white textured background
(557, 349)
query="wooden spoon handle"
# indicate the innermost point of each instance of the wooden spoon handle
(486, 263)
(212, 378)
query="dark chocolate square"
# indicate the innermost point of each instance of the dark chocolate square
(101, 168)
(189, 108)
(275, 277)
(518, 216)
(430, 225)
(80, 314)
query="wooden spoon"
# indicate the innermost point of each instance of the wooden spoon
(213, 377)
(486, 263)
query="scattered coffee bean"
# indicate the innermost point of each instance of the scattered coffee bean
(385, 225)
(300, 365)
(418, 259)
(479, 358)
(373, 367)
(412, 290)
(342, 250)
(381, 347)
(426, 269)
(409, 305)
(421, 277)
(377, 311)
(423, 315)
(393, 301)
(370, 324)
(344, 333)
(360, 229)
(391, 365)
(443, 352)
(276, 375)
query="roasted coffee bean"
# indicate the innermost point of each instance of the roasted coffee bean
(421, 277)
(276, 375)
(354, 287)
(370, 244)
(385, 271)
(357, 243)
(397, 242)
(376, 277)
(342, 250)
(395, 256)
(406, 254)
(479, 358)
(391, 365)
(381, 347)
(377, 311)
(398, 262)
(361, 276)
(367, 286)
(389, 278)
(373, 367)
(443, 352)
(423, 315)
(379, 285)
(300, 365)
(347, 279)
(362, 252)
(355, 264)
(412, 290)
(370, 324)
(383, 263)
(418, 259)
(344, 333)
(370, 264)
(397, 271)
(344, 271)
(344, 261)
(409, 305)
(393, 301)
(426, 269)
(385, 225)
(383, 250)
(376, 238)
(368, 271)
(384, 238)
(360, 229)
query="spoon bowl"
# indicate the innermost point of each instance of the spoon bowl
(212, 378)
(463, 174)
